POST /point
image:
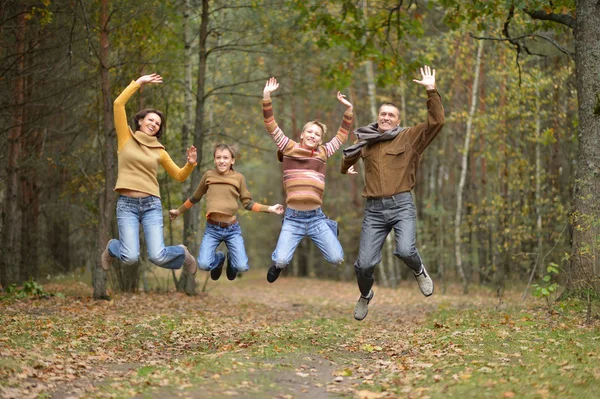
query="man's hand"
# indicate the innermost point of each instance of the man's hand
(427, 78)
(277, 208)
(152, 78)
(270, 87)
(173, 213)
(343, 100)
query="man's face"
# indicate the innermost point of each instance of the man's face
(388, 118)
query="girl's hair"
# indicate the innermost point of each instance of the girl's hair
(142, 114)
(318, 123)
(225, 147)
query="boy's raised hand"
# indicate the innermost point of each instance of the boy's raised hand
(270, 87)
(277, 208)
(343, 100)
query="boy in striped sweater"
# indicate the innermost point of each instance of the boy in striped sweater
(304, 184)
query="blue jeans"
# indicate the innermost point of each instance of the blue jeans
(147, 211)
(299, 224)
(381, 216)
(232, 236)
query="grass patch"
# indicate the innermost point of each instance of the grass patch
(515, 353)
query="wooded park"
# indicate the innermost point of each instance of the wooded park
(507, 199)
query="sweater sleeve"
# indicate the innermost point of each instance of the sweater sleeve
(342, 134)
(349, 161)
(246, 199)
(423, 134)
(196, 197)
(121, 116)
(280, 139)
(177, 173)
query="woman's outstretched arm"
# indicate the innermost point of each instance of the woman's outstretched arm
(120, 116)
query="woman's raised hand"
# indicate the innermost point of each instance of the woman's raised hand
(152, 78)
(343, 100)
(270, 87)
(192, 154)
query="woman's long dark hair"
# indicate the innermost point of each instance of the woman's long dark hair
(142, 114)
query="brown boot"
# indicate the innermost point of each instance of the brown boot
(189, 263)
(106, 259)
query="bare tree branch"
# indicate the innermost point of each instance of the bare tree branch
(564, 19)
(528, 36)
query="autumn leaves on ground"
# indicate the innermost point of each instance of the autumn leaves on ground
(295, 338)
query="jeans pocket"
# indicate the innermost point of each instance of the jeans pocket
(333, 226)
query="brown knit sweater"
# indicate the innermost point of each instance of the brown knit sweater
(222, 193)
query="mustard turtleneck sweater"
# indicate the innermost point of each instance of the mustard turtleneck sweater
(139, 154)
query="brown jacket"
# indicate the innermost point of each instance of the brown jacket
(391, 166)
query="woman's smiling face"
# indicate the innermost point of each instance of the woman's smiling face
(150, 124)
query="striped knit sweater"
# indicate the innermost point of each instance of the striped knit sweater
(303, 169)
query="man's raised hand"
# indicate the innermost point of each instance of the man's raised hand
(427, 78)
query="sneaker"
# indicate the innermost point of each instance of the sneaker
(189, 262)
(106, 259)
(362, 306)
(231, 272)
(425, 282)
(273, 273)
(216, 272)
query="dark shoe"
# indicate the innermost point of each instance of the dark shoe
(273, 273)
(216, 272)
(231, 272)
(106, 259)
(362, 306)
(425, 282)
(189, 262)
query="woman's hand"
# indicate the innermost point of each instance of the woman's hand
(152, 78)
(270, 87)
(277, 208)
(192, 154)
(343, 100)
(173, 213)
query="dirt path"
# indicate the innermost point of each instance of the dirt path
(295, 338)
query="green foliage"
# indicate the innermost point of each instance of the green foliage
(29, 289)
(548, 288)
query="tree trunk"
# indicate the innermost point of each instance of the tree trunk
(463, 173)
(583, 271)
(186, 282)
(9, 261)
(191, 227)
(106, 198)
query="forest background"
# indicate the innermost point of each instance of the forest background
(508, 192)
